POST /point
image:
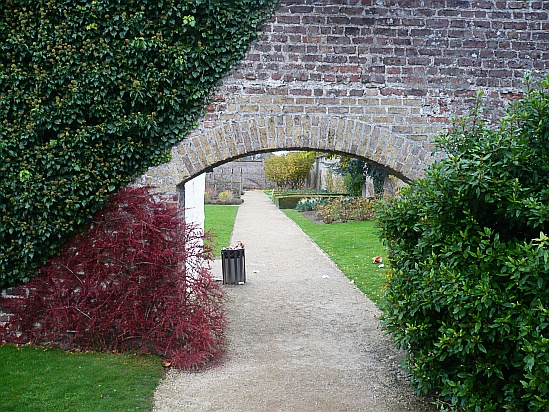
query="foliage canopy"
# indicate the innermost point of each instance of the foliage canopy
(290, 169)
(355, 171)
(469, 282)
(94, 92)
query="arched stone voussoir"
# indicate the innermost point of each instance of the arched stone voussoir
(206, 148)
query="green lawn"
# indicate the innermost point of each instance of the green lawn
(351, 245)
(41, 380)
(220, 221)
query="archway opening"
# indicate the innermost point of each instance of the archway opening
(331, 171)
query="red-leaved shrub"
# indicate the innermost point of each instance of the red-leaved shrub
(137, 279)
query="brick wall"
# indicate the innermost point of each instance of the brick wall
(332, 56)
(378, 78)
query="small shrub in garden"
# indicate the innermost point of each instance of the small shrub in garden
(134, 280)
(361, 208)
(468, 290)
(348, 208)
(310, 203)
(225, 196)
(330, 212)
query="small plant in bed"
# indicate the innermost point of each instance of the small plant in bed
(310, 203)
(226, 197)
(348, 208)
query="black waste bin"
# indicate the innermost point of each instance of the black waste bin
(233, 266)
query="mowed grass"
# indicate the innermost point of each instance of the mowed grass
(220, 222)
(42, 380)
(351, 245)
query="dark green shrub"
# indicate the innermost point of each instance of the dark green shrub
(303, 193)
(378, 176)
(468, 289)
(287, 201)
(352, 170)
(91, 94)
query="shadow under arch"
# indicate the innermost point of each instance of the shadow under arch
(405, 156)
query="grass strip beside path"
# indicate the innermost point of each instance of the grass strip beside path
(41, 380)
(220, 221)
(351, 245)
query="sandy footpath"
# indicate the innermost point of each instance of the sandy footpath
(301, 336)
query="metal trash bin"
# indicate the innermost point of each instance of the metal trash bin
(233, 266)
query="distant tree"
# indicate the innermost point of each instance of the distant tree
(378, 176)
(355, 172)
(289, 170)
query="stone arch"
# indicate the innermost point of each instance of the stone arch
(204, 149)
(370, 79)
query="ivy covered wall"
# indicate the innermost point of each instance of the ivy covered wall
(92, 93)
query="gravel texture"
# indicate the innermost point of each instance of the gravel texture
(301, 337)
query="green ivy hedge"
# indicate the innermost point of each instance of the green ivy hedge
(468, 290)
(92, 93)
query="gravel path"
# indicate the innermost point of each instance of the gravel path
(301, 337)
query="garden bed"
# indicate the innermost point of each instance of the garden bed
(313, 217)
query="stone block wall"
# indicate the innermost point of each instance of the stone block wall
(239, 175)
